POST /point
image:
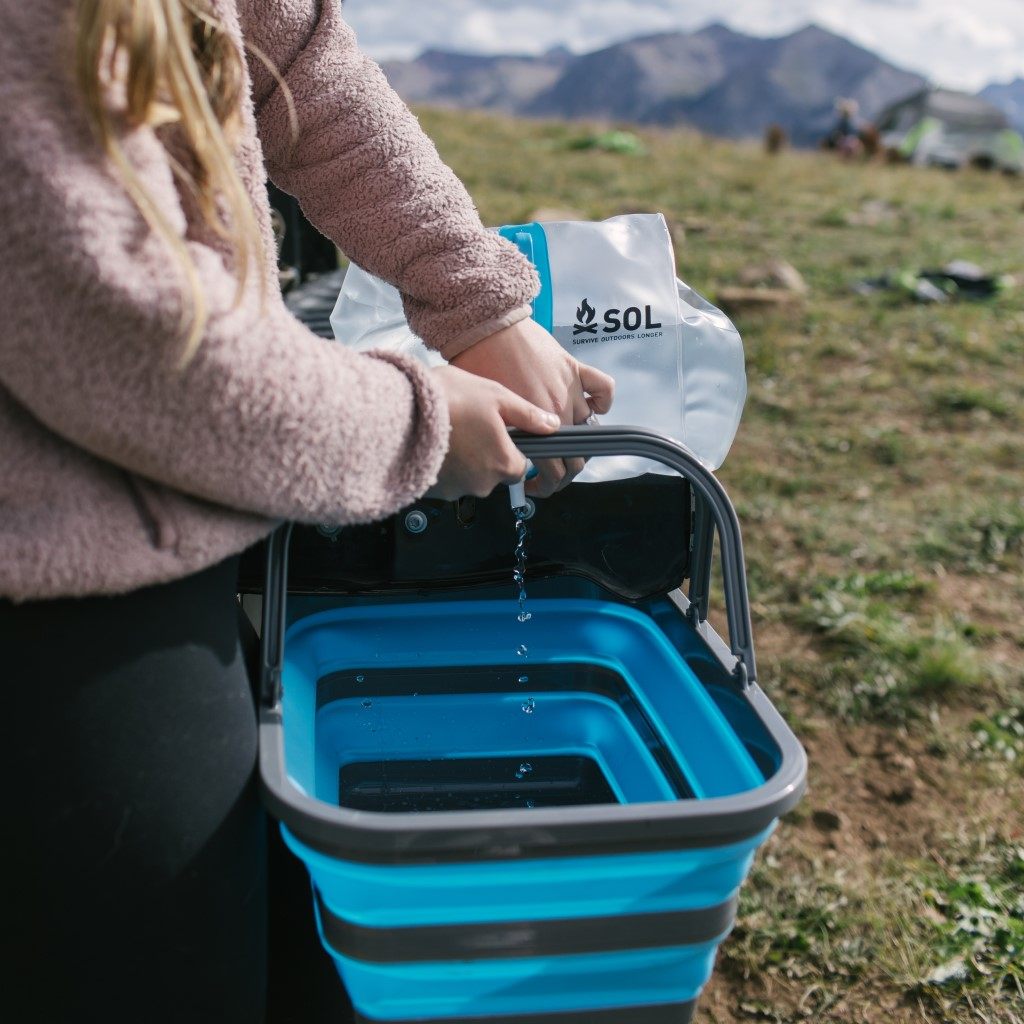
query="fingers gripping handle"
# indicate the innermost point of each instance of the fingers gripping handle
(569, 442)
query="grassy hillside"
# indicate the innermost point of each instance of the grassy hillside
(879, 475)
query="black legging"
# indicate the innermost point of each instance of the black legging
(133, 854)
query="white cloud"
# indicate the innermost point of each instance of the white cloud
(957, 43)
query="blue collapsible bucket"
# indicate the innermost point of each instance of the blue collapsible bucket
(523, 823)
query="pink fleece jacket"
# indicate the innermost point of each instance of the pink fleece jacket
(117, 469)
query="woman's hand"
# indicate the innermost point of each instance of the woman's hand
(528, 360)
(481, 455)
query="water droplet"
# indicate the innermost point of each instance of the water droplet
(521, 650)
(360, 679)
(519, 566)
(525, 768)
(530, 803)
(524, 679)
(528, 705)
(367, 703)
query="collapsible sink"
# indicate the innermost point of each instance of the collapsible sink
(525, 822)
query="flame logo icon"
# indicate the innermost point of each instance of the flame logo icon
(585, 314)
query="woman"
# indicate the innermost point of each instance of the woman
(159, 411)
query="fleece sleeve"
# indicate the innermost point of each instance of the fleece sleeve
(266, 417)
(368, 177)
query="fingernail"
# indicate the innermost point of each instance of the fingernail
(552, 420)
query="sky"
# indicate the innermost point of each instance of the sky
(957, 43)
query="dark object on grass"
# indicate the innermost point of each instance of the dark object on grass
(775, 139)
(871, 140)
(969, 279)
(957, 279)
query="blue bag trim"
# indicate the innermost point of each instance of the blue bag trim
(532, 242)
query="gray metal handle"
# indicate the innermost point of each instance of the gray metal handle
(569, 442)
(595, 441)
(274, 618)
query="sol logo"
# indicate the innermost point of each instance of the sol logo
(614, 320)
(585, 314)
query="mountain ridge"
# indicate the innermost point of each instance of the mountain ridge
(1009, 97)
(714, 79)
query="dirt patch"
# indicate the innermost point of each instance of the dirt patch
(869, 790)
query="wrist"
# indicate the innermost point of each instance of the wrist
(482, 332)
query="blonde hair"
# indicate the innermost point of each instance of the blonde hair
(171, 62)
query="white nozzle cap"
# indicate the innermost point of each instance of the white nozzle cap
(517, 493)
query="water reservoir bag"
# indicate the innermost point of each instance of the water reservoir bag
(610, 296)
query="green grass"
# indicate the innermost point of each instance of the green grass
(885, 660)
(960, 399)
(887, 663)
(878, 478)
(976, 933)
(953, 936)
(1000, 736)
(977, 539)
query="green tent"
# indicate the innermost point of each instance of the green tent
(942, 128)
